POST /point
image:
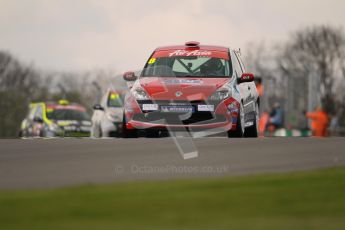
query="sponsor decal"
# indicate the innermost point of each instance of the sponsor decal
(71, 107)
(67, 122)
(151, 61)
(114, 96)
(249, 123)
(232, 108)
(64, 123)
(206, 108)
(182, 81)
(177, 103)
(150, 107)
(179, 109)
(190, 53)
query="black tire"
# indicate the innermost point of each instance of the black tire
(128, 133)
(113, 134)
(238, 133)
(253, 131)
(151, 133)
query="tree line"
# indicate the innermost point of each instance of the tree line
(311, 54)
(21, 84)
(287, 66)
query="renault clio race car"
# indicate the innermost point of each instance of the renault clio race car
(51, 119)
(192, 87)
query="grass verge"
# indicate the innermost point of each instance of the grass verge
(301, 200)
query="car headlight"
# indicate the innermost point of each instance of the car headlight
(221, 94)
(140, 94)
(53, 127)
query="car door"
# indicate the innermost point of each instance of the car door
(238, 71)
(249, 103)
(253, 93)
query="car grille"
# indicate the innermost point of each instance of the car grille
(177, 118)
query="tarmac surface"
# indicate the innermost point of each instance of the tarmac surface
(52, 163)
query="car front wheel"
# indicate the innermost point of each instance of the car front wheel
(239, 132)
(253, 131)
(128, 133)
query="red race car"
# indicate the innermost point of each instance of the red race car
(192, 87)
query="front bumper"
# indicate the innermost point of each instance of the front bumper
(220, 118)
(72, 132)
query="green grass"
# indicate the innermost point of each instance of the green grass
(303, 200)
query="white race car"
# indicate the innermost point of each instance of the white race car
(108, 115)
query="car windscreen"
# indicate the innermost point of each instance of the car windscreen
(67, 114)
(115, 99)
(187, 66)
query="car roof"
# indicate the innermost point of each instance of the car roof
(200, 47)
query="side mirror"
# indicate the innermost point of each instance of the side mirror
(38, 119)
(129, 76)
(98, 107)
(246, 77)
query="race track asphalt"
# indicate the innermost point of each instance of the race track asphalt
(52, 163)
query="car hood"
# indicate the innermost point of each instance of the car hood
(191, 89)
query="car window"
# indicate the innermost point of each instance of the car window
(187, 66)
(67, 114)
(32, 112)
(38, 112)
(115, 99)
(240, 61)
(236, 65)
